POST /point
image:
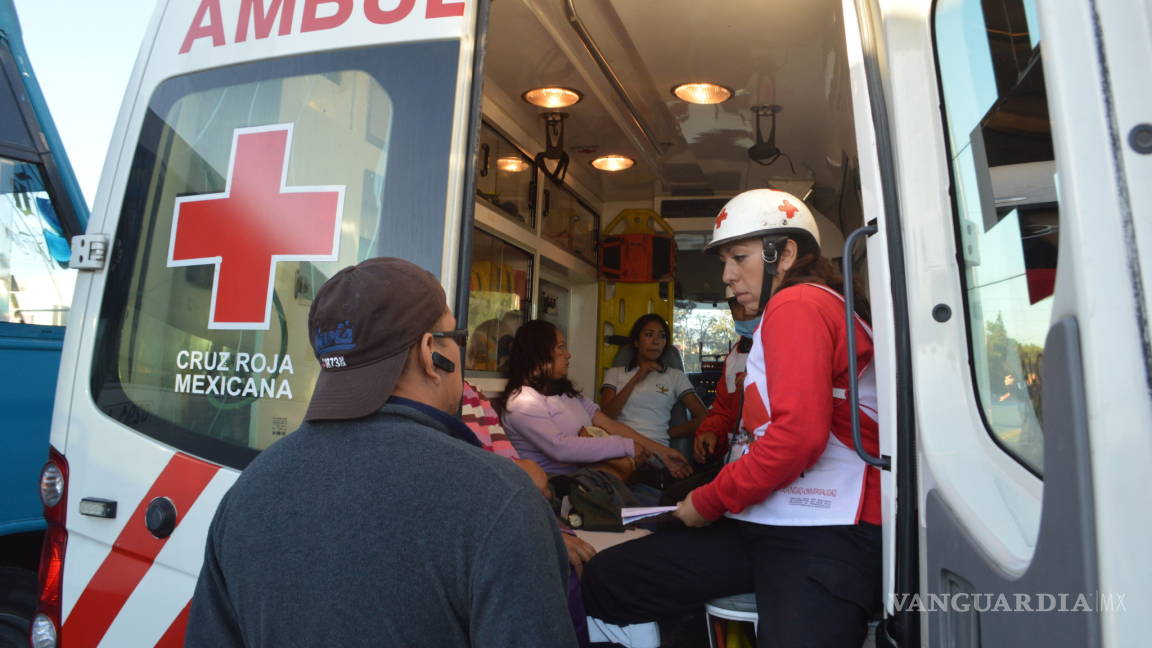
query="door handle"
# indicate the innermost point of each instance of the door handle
(883, 463)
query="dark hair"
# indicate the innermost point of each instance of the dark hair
(530, 363)
(638, 327)
(810, 267)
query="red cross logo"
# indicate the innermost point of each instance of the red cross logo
(720, 218)
(256, 223)
(788, 208)
(754, 412)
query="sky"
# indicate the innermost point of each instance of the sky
(82, 52)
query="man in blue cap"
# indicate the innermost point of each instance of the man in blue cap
(381, 521)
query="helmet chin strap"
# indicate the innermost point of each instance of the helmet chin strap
(773, 245)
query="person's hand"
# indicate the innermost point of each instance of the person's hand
(686, 512)
(579, 552)
(704, 446)
(675, 462)
(640, 453)
(646, 367)
(537, 474)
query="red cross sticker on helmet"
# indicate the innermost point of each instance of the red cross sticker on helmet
(720, 218)
(788, 208)
(257, 222)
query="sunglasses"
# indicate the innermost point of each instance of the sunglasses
(459, 336)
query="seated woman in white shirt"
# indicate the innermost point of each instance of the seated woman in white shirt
(642, 394)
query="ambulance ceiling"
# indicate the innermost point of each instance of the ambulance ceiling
(786, 52)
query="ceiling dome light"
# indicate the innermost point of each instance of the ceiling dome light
(552, 97)
(702, 93)
(613, 162)
(513, 164)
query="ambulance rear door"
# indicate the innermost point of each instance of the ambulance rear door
(1021, 147)
(263, 145)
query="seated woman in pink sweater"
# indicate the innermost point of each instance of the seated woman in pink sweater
(543, 413)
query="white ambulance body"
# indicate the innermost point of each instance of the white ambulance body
(265, 144)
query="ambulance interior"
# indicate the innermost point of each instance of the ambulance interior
(779, 116)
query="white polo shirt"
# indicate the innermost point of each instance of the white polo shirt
(649, 408)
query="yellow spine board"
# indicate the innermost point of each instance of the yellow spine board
(622, 303)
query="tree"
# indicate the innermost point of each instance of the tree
(999, 349)
(700, 333)
(1007, 356)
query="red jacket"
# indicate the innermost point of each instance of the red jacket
(805, 348)
(724, 414)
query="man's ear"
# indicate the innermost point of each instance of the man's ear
(424, 364)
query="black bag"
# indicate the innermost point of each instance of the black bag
(596, 498)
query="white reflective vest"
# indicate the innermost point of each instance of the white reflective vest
(831, 492)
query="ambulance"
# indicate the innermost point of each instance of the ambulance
(976, 163)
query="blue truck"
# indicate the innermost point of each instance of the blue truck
(41, 208)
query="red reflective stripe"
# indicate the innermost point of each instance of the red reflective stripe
(174, 635)
(182, 481)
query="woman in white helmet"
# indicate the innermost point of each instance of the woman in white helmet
(795, 514)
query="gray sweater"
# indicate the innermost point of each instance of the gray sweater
(383, 531)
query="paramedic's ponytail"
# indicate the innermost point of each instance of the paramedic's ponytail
(810, 267)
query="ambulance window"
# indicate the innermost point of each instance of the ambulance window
(1006, 207)
(703, 331)
(555, 305)
(497, 301)
(506, 177)
(35, 282)
(250, 186)
(568, 223)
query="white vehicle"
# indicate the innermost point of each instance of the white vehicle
(264, 144)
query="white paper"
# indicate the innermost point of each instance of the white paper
(637, 513)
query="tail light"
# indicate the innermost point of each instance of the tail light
(54, 496)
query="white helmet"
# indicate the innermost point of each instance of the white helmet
(761, 212)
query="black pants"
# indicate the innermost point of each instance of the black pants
(815, 586)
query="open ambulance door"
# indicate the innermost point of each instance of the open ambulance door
(880, 243)
(1019, 162)
(262, 146)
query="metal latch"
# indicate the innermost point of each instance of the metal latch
(89, 252)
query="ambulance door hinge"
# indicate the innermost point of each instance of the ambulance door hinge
(89, 252)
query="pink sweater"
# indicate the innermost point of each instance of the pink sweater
(546, 430)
